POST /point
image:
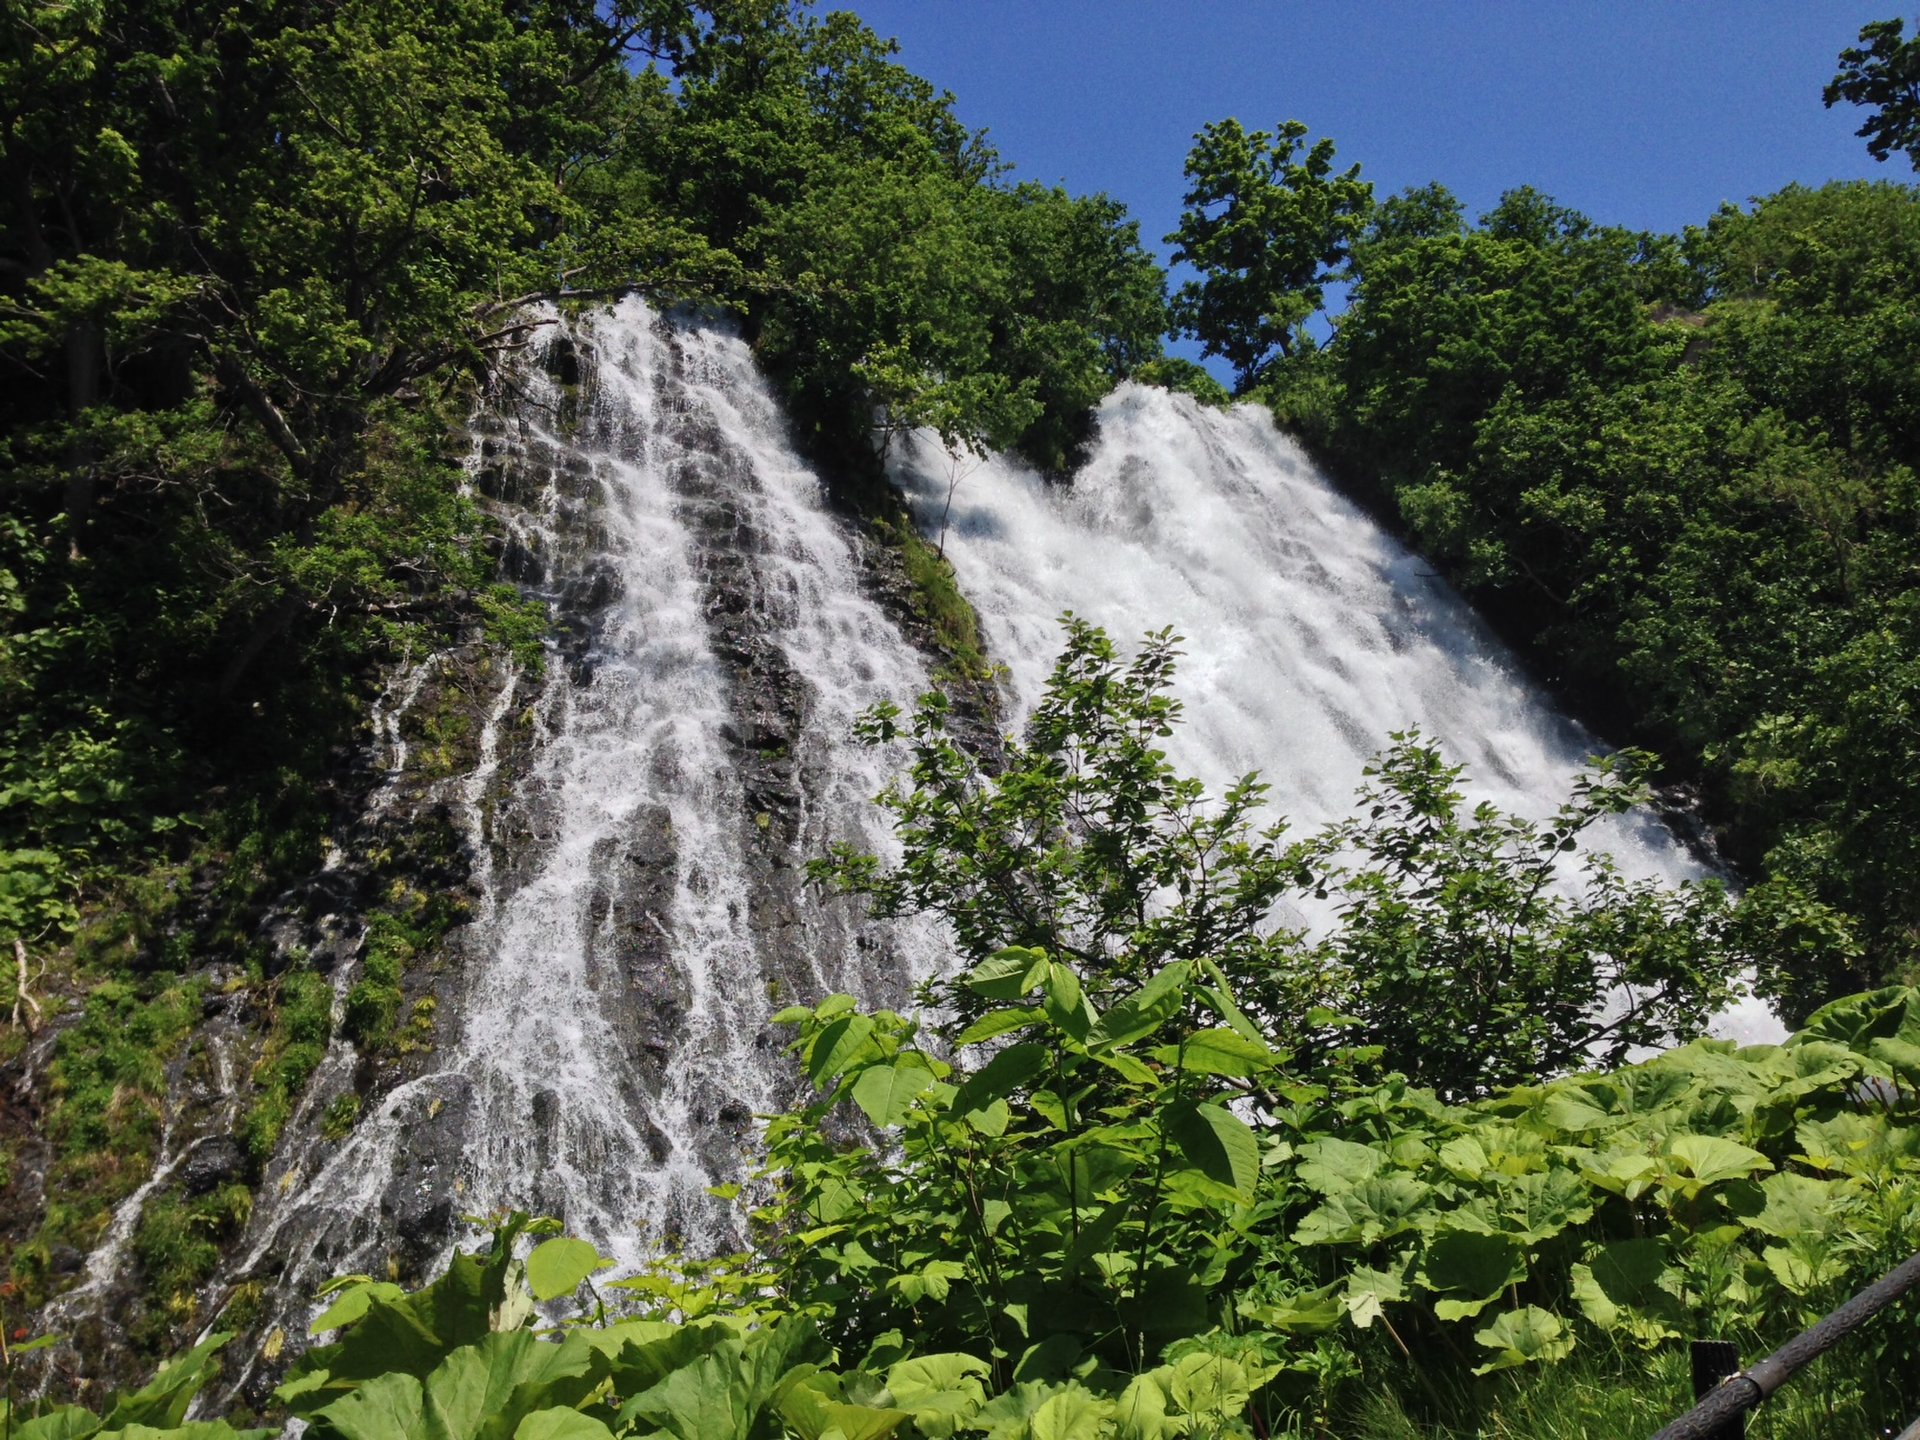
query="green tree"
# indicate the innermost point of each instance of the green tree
(1267, 227)
(1087, 844)
(1883, 71)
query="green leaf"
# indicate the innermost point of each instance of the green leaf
(835, 1049)
(67, 1422)
(1218, 1144)
(1146, 1010)
(1523, 1337)
(1220, 1052)
(996, 1023)
(1065, 1002)
(1141, 1412)
(1329, 1165)
(1072, 1414)
(556, 1267)
(886, 1092)
(1711, 1159)
(1469, 1269)
(561, 1425)
(353, 1303)
(163, 1400)
(1005, 1073)
(1210, 1387)
(1008, 975)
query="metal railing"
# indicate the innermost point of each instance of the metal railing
(1721, 1414)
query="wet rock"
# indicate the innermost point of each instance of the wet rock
(65, 1260)
(215, 1161)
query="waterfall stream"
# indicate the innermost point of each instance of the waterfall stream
(641, 910)
(1309, 634)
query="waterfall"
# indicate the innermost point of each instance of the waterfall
(1310, 634)
(641, 908)
(638, 816)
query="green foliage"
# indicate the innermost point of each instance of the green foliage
(1266, 230)
(1882, 71)
(1458, 956)
(296, 1043)
(1681, 470)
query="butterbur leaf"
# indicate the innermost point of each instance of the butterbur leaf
(1711, 1159)
(1072, 1414)
(1469, 1269)
(1369, 1292)
(556, 1267)
(353, 1303)
(163, 1400)
(1329, 1166)
(68, 1422)
(1218, 1144)
(1209, 1386)
(1306, 1312)
(561, 1425)
(1141, 1412)
(1523, 1337)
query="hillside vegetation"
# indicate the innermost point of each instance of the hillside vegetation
(1155, 1164)
(1678, 469)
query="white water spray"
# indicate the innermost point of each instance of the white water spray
(1309, 633)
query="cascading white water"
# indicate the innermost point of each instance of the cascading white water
(1309, 633)
(641, 910)
(605, 1043)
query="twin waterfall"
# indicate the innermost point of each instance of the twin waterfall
(641, 808)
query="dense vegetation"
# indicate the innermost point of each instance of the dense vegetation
(1680, 469)
(1135, 1187)
(1165, 1167)
(259, 259)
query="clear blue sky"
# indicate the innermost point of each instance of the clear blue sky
(1639, 113)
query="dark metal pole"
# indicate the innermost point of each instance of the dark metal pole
(1742, 1392)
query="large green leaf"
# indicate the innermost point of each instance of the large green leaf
(163, 1400)
(1008, 975)
(1799, 1205)
(1218, 1144)
(837, 1047)
(996, 1023)
(68, 1422)
(354, 1302)
(1329, 1165)
(886, 1092)
(561, 1425)
(1005, 1073)
(1146, 1010)
(1711, 1159)
(1386, 1205)
(1141, 1413)
(556, 1267)
(1219, 1052)
(1072, 1414)
(1523, 1337)
(1469, 1269)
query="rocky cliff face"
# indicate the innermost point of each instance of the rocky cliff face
(552, 930)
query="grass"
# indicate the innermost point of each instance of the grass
(938, 599)
(1618, 1394)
